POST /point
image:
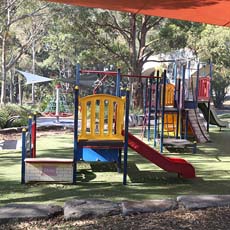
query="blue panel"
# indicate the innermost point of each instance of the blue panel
(190, 105)
(100, 155)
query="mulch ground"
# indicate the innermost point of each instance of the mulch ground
(208, 219)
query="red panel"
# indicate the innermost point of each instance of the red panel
(33, 139)
(205, 11)
(204, 89)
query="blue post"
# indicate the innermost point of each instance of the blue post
(145, 101)
(189, 76)
(186, 125)
(163, 111)
(197, 84)
(76, 104)
(30, 120)
(150, 106)
(126, 138)
(183, 85)
(118, 81)
(210, 91)
(78, 73)
(23, 166)
(156, 108)
(175, 79)
(183, 99)
(35, 132)
(178, 107)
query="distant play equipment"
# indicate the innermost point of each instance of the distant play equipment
(58, 107)
(175, 107)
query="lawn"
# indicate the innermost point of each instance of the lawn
(101, 181)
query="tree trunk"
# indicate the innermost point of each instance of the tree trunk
(33, 70)
(3, 88)
(20, 91)
(12, 73)
(16, 98)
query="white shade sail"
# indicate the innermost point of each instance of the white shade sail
(33, 78)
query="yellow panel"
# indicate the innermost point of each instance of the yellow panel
(93, 117)
(110, 118)
(84, 117)
(102, 117)
(102, 134)
(169, 95)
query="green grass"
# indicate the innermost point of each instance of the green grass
(101, 181)
(224, 116)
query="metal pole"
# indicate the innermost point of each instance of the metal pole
(182, 99)
(23, 156)
(197, 84)
(145, 101)
(163, 111)
(57, 114)
(150, 106)
(156, 108)
(118, 81)
(175, 79)
(178, 107)
(76, 150)
(209, 100)
(189, 76)
(30, 135)
(78, 73)
(186, 125)
(34, 134)
(126, 138)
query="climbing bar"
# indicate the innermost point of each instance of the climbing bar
(113, 73)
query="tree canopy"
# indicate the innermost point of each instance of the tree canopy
(55, 37)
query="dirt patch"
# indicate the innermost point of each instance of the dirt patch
(40, 133)
(208, 219)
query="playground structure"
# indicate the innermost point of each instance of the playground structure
(100, 134)
(92, 144)
(175, 107)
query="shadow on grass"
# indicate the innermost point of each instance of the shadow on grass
(159, 189)
(103, 167)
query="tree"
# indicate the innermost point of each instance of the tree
(220, 82)
(127, 38)
(14, 15)
(214, 45)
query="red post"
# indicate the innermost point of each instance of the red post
(33, 136)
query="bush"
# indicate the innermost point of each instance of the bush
(4, 116)
(12, 115)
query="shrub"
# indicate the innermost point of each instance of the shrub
(12, 115)
(3, 117)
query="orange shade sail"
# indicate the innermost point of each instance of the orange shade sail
(215, 12)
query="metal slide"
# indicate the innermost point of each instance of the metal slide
(176, 165)
(197, 124)
(214, 120)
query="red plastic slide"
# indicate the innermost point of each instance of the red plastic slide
(177, 165)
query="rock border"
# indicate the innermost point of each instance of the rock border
(77, 209)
